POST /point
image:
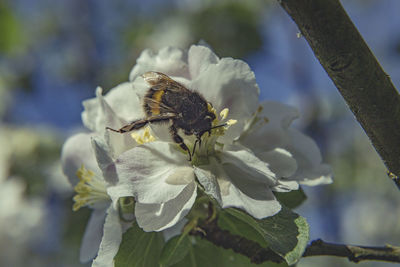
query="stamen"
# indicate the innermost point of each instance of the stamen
(210, 139)
(254, 121)
(211, 108)
(224, 113)
(90, 189)
(230, 122)
(143, 138)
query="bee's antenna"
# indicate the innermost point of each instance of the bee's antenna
(198, 140)
(221, 125)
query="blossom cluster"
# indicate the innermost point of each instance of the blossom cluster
(256, 151)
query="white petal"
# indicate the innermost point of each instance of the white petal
(279, 113)
(104, 160)
(112, 237)
(200, 57)
(93, 235)
(321, 174)
(280, 161)
(238, 191)
(154, 173)
(126, 99)
(306, 152)
(124, 103)
(256, 169)
(157, 217)
(269, 132)
(277, 134)
(102, 152)
(229, 84)
(170, 61)
(209, 182)
(257, 208)
(265, 139)
(98, 114)
(91, 116)
(286, 186)
(240, 179)
(77, 150)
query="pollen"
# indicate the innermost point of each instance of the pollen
(144, 137)
(219, 131)
(90, 189)
(224, 113)
(231, 122)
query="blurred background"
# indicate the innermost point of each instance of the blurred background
(53, 54)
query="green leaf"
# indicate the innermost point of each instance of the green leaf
(291, 199)
(204, 253)
(240, 226)
(175, 250)
(302, 237)
(139, 248)
(286, 233)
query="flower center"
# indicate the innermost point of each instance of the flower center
(90, 190)
(209, 142)
(202, 150)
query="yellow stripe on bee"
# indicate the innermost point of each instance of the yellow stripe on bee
(157, 98)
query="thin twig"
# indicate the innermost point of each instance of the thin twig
(354, 70)
(258, 254)
(353, 253)
(238, 244)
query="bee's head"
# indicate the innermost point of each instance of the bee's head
(203, 125)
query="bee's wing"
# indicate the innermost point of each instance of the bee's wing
(160, 81)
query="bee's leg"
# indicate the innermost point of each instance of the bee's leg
(198, 140)
(179, 140)
(136, 125)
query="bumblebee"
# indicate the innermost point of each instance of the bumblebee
(169, 101)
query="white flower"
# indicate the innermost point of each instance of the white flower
(103, 233)
(239, 165)
(269, 135)
(85, 158)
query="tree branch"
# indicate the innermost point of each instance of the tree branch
(238, 244)
(354, 70)
(258, 254)
(353, 253)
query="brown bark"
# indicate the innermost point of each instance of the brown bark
(353, 68)
(258, 254)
